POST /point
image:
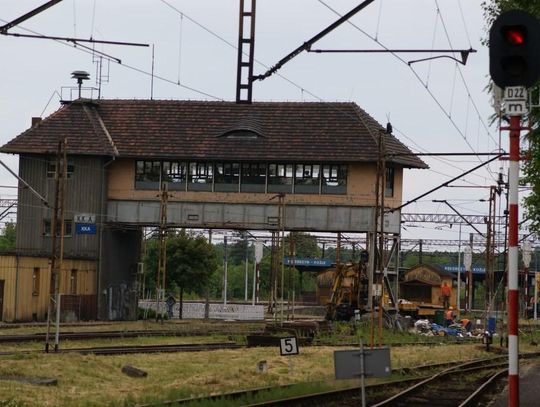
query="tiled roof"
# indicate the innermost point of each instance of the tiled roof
(287, 131)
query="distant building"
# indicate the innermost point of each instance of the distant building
(421, 285)
(224, 163)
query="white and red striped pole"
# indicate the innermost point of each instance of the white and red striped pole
(513, 289)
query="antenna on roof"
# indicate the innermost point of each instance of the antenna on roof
(80, 76)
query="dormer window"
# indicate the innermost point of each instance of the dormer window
(242, 134)
(245, 129)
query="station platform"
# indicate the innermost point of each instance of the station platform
(529, 379)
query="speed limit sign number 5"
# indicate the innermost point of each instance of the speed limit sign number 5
(288, 346)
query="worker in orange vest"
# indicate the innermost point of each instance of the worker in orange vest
(450, 316)
(467, 324)
(446, 292)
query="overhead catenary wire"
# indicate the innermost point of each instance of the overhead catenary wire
(180, 39)
(300, 88)
(133, 68)
(93, 22)
(264, 65)
(445, 183)
(379, 18)
(442, 160)
(431, 94)
(464, 22)
(465, 84)
(430, 62)
(74, 19)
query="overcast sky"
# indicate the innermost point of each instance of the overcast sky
(434, 106)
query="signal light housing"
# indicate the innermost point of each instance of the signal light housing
(514, 49)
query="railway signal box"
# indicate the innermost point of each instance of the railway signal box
(514, 49)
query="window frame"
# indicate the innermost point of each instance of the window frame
(145, 174)
(226, 176)
(68, 228)
(200, 171)
(36, 281)
(73, 274)
(256, 177)
(336, 180)
(278, 179)
(389, 182)
(51, 169)
(175, 173)
(304, 180)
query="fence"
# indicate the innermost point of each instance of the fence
(195, 310)
(78, 308)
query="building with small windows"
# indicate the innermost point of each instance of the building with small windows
(311, 166)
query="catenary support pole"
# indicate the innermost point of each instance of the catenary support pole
(246, 271)
(470, 280)
(225, 270)
(458, 296)
(513, 291)
(535, 306)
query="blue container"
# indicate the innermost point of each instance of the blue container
(492, 322)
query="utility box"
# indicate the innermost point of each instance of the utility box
(348, 365)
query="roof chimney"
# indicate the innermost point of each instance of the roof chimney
(36, 121)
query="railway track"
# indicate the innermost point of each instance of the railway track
(461, 386)
(124, 350)
(81, 336)
(336, 398)
(114, 334)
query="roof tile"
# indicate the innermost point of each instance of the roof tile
(310, 131)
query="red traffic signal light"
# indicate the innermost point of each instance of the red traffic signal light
(516, 35)
(514, 49)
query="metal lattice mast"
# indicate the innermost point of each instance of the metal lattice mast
(490, 247)
(246, 51)
(57, 225)
(162, 259)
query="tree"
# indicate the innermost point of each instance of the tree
(7, 239)
(531, 166)
(191, 261)
(238, 250)
(305, 244)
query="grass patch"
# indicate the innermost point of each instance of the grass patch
(97, 380)
(265, 395)
(89, 380)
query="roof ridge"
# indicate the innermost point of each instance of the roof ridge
(101, 126)
(106, 131)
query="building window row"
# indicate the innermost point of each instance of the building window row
(51, 168)
(242, 177)
(36, 281)
(68, 228)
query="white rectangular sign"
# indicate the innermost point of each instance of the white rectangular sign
(515, 100)
(85, 218)
(258, 252)
(288, 346)
(515, 107)
(515, 93)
